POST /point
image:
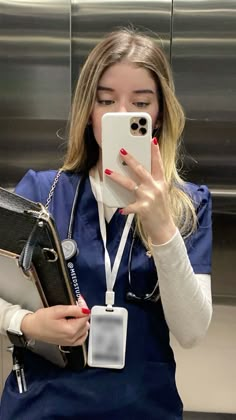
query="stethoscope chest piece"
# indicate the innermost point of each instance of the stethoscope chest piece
(70, 249)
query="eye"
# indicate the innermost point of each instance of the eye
(141, 104)
(105, 101)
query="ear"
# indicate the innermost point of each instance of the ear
(158, 125)
(159, 120)
(157, 129)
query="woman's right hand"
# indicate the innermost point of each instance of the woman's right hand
(64, 325)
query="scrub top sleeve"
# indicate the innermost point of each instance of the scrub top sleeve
(199, 245)
(35, 186)
(29, 187)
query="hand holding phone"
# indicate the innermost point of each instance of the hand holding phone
(131, 131)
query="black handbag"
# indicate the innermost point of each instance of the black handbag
(33, 270)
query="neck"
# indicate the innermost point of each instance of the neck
(99, 167)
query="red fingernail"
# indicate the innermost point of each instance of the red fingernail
(123, 152)
(108, 172)
(121, 211)
(155, 141)
(85, 311)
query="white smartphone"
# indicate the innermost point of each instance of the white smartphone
(131, 131)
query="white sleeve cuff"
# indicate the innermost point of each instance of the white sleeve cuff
(11, 316)
(16, 320)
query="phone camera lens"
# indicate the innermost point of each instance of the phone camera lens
(142, 121)
(134, 126)
(142, 131)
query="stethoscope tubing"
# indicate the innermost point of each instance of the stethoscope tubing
(130, 295)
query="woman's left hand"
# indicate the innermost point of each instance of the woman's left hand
(152, 195)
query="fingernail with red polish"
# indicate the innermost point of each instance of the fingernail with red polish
(108, 172)
(86, 311)
(121, 211)
(123, 152)
(155, 141)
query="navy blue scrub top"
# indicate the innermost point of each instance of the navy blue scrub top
(146, 387)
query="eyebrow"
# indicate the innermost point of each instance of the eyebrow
(138, 91)
(144, 91)
(106, 89)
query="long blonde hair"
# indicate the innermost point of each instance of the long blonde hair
(82, 152)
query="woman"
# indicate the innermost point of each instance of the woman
(125, 72)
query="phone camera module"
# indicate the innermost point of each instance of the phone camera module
(142, 131)
(134, 126)
(142, 121)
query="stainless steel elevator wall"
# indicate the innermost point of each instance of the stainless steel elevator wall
(34, 84)
(203, 55)
(92, 19)
(204, 61)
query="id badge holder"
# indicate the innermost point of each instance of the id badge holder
(107, 337)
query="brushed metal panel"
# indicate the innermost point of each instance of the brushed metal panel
(35, 84)
(224, 259)
(204, 63)
(92, 19)
(206, 373)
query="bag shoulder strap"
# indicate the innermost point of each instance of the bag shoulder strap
(53, 186)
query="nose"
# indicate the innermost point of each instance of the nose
(122, 107)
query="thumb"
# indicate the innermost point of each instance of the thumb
(70, 311)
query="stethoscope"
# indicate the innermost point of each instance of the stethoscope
(70, 250)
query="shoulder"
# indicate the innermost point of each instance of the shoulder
(35, 185)
(199, 243)
(199, 194)
(32, 183)
(43, 177)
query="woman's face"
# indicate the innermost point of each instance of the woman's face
(124, 88)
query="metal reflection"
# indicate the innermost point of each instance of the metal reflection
(92, 19)
(204, 62)
(34, 84)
